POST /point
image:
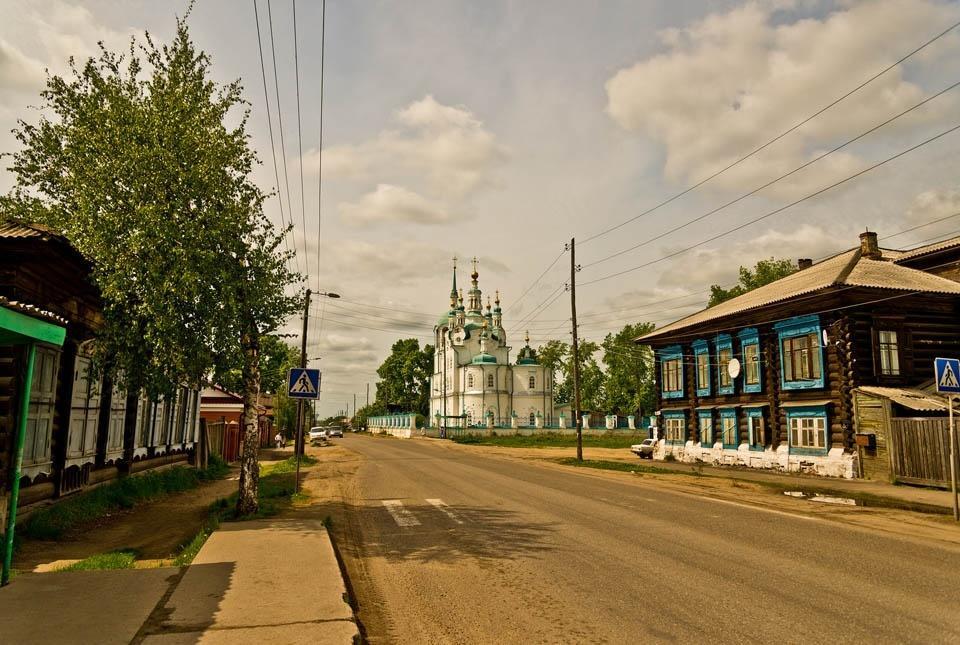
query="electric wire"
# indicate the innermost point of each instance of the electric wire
(296, 70)
(792, 128)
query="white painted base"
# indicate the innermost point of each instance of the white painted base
(835, 463)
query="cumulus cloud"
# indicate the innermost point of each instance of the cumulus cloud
(448, 145)
(931, 205)
(389, 203)
(728, 83)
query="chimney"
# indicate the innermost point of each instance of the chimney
(868, 246)
(804, 263)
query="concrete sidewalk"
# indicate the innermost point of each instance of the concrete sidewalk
(264, 581)
(260, 581)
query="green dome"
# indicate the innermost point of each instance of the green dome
(443, 320)
(484, 358)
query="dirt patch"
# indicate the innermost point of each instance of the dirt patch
(155, 530)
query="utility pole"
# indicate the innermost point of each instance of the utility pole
(576, 348)
(354, 404)
(368, 394)
(298, 441)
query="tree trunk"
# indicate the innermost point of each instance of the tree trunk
(247, 502)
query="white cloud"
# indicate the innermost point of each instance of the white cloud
(19, 72)
(728, 83)
(394, 204)
(933, 204)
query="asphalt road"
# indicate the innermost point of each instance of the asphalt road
(442, 545)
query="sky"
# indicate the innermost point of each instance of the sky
(500, 130)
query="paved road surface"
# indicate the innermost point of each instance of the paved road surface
(447, 546)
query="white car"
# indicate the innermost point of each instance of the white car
(644, 450)
(334, 432)
(317, 433)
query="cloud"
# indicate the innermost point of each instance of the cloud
(389, 203)
(731, 81)
(933, 204)
(447, 145)
(19, 72)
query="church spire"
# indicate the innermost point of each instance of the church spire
(453, 290)
(475, 305)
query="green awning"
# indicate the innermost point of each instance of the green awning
(18, 328)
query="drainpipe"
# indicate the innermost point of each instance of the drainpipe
(17, 463)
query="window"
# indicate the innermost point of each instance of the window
(532, 382)
(675, 429)
(889, 351)
(728, 428)
(469, 380)
(750, 344)
(808, 432)
(756, 430)
(702, 353)
(43, 392)
(489, 380)
(533, 418)
(801, 353)
(705, 426)
(671, 366)
(84, 410)
(724, 355)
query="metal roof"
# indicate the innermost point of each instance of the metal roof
(12, 229)
(845, 269)
(908, 397)
(942, 245)
(32, 310)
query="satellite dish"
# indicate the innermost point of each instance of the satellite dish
(733, 368)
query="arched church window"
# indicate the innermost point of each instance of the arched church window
(469, 380)
(533, 417)
(489, 380)
(533, 382)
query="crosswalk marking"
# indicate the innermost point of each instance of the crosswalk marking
(441, 506)
(400, 515)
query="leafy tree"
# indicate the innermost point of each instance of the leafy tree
(405, 377)
(765, 272)
(276, 357)
(557, 355)
(133, 161)
(628, 387)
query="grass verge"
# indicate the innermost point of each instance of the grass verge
(123, 559)
(625, 466)
(53, 522)
(554, 440)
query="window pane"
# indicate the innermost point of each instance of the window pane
(752, 364)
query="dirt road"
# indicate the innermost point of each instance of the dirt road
(450, 545)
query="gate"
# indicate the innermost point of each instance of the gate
(920, 450)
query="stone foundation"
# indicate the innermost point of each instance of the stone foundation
(836, 463)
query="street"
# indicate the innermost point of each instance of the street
(442, 545)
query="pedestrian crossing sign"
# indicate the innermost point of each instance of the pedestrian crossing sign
(303, 383)
(947, 371)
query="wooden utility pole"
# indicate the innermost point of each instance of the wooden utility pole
(368, 394)
(298, 441)
(576, 348)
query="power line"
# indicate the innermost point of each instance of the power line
(296, 69)
(778, 210)
(534, 283)
(283, 146)
(323, 47)
(776, 138)
(273, 147)
(773, 181)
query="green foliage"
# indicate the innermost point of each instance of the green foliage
(623, 466)
(288, 465)
(557, 355)
(628, 383)
(133, 160)
(555, 440)
(765, 272)
(276, 357)
(52, 522)
(405, 378)
(123, 559)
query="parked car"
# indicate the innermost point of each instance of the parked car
(318, 433)
(645, 449)
(334, 432)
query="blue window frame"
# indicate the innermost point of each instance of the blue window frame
(724, 354)
(808, 430)
(755, 429)
(750, 349)
(729, 432)
(671, 372)
(801, 353)
(705, 428)
(675, 427)
(701, 355)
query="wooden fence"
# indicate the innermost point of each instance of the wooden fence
(920, 450)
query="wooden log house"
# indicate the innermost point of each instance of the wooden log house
(799, 348)
(81, 428)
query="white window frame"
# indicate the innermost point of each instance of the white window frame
(808, 433)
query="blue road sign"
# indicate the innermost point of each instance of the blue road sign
(948, 374)
(303, 383)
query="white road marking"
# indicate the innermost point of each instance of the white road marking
(441, 506)
(400, 515)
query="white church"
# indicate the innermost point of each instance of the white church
(473, 382)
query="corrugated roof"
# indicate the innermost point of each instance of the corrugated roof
(846, 269)
(908, 397)
(11, 229)
(942, 245)
(32, 310)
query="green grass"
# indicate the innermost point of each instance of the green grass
(625, 466)
(53, 522)
(288, 465)
(123, 559)
(555, 440)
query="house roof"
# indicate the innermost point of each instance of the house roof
(928, 249)
(908, 397)
(33, 311)
(845, 269)
(12, 229)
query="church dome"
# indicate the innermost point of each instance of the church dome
(484, 358)
(444, 319)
